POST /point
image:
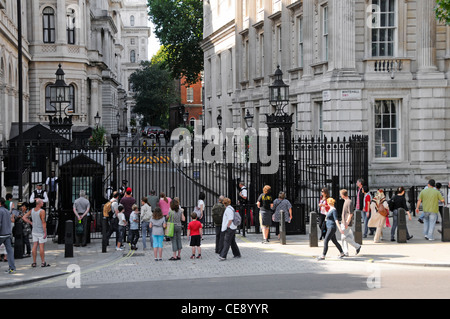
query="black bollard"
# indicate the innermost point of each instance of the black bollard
(401, 226)
(104, 234)
(18, 241)
(68, 240)
(446, 225)
(282, 228)
(313, 238)
(358, 227)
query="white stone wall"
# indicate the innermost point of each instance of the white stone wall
(94, 64)
(318, 88)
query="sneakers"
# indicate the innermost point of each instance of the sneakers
(10, 271)
(119, 249)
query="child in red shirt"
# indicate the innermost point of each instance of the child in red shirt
(195, 230)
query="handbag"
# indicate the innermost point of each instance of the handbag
(170, 227)
(79, 229)
(382, 210)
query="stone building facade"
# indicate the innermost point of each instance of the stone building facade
(374, 67)
(92, 42)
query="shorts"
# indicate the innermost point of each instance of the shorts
(39, 238)
(158, 241)
(196, 241)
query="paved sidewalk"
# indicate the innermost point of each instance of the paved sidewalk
(417, 251)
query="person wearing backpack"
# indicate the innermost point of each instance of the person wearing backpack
(229, 230)
(217, 215)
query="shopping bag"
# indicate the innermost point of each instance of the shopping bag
(170, 227)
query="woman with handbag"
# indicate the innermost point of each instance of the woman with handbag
(281, 203)
(176, 216)
(379, 211)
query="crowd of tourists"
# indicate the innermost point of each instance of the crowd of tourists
(159, 218)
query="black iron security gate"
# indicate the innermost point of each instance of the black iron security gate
(312, 164)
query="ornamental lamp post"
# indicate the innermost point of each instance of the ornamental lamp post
(185, 118)
(279, 98)
(279, 93)
(59, 95)
(219, 121)
(249, 119)
(97, 120)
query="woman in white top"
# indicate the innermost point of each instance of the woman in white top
(201, 207)
(146, 215)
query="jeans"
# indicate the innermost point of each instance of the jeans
(230, 240)
(121, 237)
(429, 221)
(331, 235)
(9, 251)
(219, 244)
(146, 230)
(134, 237)
(366, 224)
(395, 224)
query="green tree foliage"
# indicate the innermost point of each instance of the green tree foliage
(179, 28)
(443, 11)
(155, 92)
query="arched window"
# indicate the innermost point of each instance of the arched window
(133, 56)
(49, 25)
(132, 21)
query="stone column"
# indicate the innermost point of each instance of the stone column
(342, 34)
(426, 39)
(308, 49)
(61, 22)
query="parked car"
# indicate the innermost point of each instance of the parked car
(154, 131)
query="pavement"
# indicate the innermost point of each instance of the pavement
(416, 252)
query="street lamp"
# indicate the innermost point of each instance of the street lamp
(60, 94)
(185, 118)
(97, 119)
(279, 98)
(59, 91)
(248, 119)
(279, 93)
(219, 121)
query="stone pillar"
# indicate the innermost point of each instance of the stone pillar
(308, 43)
(342, 35)
(61, 22)
(426, 40)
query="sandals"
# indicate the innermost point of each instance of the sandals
(44, 264)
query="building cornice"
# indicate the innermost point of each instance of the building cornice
(216, 36)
